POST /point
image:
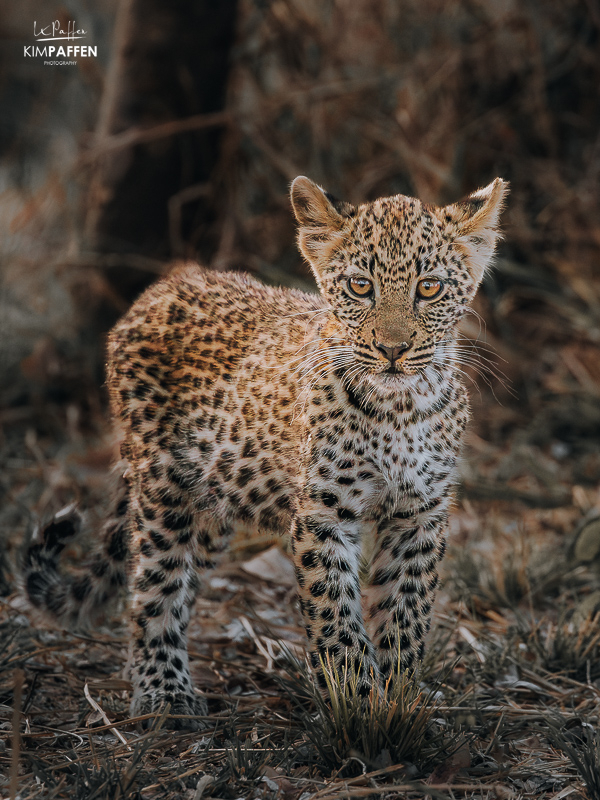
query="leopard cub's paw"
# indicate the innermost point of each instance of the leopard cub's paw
(183, 705)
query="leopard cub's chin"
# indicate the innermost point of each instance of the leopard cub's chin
(391, 381)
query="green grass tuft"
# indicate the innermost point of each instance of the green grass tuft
(392, 725)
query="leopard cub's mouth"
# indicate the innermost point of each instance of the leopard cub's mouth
(399, 370)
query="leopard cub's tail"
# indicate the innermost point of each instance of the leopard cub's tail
(77, 600)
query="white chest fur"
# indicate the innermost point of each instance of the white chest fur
(413, 460)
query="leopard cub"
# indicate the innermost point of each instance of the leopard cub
(337, 416)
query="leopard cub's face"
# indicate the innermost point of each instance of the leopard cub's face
(397, 274)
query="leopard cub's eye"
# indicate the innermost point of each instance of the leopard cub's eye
(429, 288)
(360, 287)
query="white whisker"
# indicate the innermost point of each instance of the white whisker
(303, 313)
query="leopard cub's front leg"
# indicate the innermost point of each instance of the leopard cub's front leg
(403, 579)
(326, 547)
(344, 499)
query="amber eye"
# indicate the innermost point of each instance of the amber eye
(360, 287)
(429, 288)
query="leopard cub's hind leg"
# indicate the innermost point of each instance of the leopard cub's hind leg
(171, 547)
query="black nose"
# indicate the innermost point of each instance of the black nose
(393, 353)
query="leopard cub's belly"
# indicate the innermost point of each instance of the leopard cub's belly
(241, 472)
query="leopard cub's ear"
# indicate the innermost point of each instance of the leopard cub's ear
(475, 221)
(320, 219)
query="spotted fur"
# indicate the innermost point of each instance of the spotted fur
(241, 402)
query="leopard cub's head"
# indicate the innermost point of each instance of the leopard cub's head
(397, 273)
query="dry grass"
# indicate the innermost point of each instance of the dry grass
(353, 734)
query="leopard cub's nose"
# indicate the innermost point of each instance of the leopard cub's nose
(393, 353)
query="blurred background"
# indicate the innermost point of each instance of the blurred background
(180, 139)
